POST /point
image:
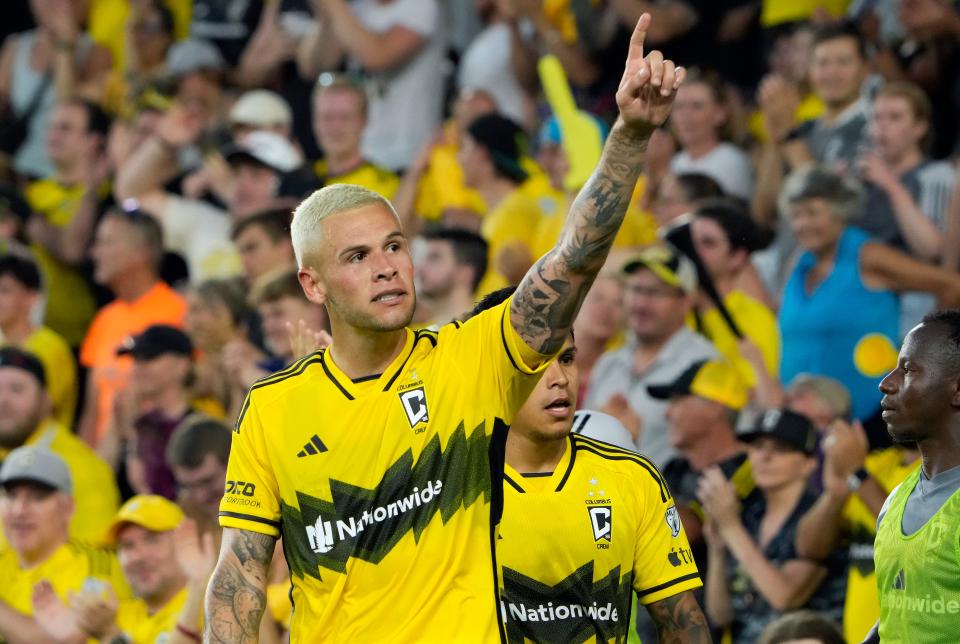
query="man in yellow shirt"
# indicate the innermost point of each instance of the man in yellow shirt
(339, 119)
(67, 203)
(36, 505)
(25, 420)
(490, 154)
(20, 291)
(143, 533)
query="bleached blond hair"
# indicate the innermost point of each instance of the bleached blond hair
(330, 200)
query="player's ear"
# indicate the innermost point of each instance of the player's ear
(312, 284)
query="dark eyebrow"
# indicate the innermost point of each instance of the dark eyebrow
(353, 249)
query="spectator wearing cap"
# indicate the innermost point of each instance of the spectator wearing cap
(196, 68)
(25, 420)
(704, 403)
(754, 572)
(398, 45)
(840, 313)
(490, 155)
(724, 237)
(198, 453)
(126, 257)
(66, 204)
(263, 243)
(660, 286)
(41, 560)
(260, 109)
(853, 484)
(154, 404)
(20, 294)
(258, 170)
(339, 120)
(638, 229)
(143, 533)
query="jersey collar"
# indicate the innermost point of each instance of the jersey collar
(384, 381)
(538, 483)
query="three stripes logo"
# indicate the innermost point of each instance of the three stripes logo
(315, 446)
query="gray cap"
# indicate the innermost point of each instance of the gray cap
(193, 55)
(38, 465)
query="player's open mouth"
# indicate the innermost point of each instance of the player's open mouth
(390, 297)
(559, 408)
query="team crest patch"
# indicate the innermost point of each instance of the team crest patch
(415, 405)
(601, 520)
(673, 520)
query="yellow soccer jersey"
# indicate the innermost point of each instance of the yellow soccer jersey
(382, 489)
(67, 569)
(575, 543)
(368, 175)
(142, 627)
(514, 221)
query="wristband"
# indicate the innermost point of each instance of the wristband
(855, 480)
(186, 632)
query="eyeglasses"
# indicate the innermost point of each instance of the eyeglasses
(655, 292)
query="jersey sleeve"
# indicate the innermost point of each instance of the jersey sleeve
(251, 500)
(663, 563)
(492, 354)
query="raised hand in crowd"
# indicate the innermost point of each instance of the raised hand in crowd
(96, 610)
(304, 340)
(778, 99)
(55, 618)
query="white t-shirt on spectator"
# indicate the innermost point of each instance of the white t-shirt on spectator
(486, 66)
(406, 102)
(200, 233)
(727, 164)
(603, 427)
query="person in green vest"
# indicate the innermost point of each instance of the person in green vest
(916, 552)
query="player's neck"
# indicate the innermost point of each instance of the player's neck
(365, 353)
(531, 456)
(941, 453)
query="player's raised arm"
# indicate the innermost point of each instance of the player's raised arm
(237, 592)
(549, 297)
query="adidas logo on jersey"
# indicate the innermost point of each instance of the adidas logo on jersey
(315, 446)
(900, 583)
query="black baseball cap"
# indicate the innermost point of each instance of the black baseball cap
(155, 341)
(504, 140)
(15, 358)
(786, 426)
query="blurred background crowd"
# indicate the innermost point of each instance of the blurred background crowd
(797, 216)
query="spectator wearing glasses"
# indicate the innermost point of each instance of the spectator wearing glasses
(660, 286)
(197, 454)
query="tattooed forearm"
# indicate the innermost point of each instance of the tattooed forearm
(679, 620)
(236, 594)
(549, 297)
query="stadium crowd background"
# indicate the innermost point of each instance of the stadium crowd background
(153, 151)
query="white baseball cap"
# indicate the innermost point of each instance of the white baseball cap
(268, 149)
(261, 108)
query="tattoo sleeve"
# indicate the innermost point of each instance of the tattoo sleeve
(236, 594)
(679, 620)
(549, 296)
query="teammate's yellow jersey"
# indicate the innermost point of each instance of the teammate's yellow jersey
(576, 543)
(143, 627)
(382, 488)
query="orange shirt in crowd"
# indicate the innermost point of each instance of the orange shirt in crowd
(111, 326)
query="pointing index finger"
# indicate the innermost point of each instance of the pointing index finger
(637, 40)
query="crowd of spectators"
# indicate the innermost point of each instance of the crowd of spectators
(797, 216)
